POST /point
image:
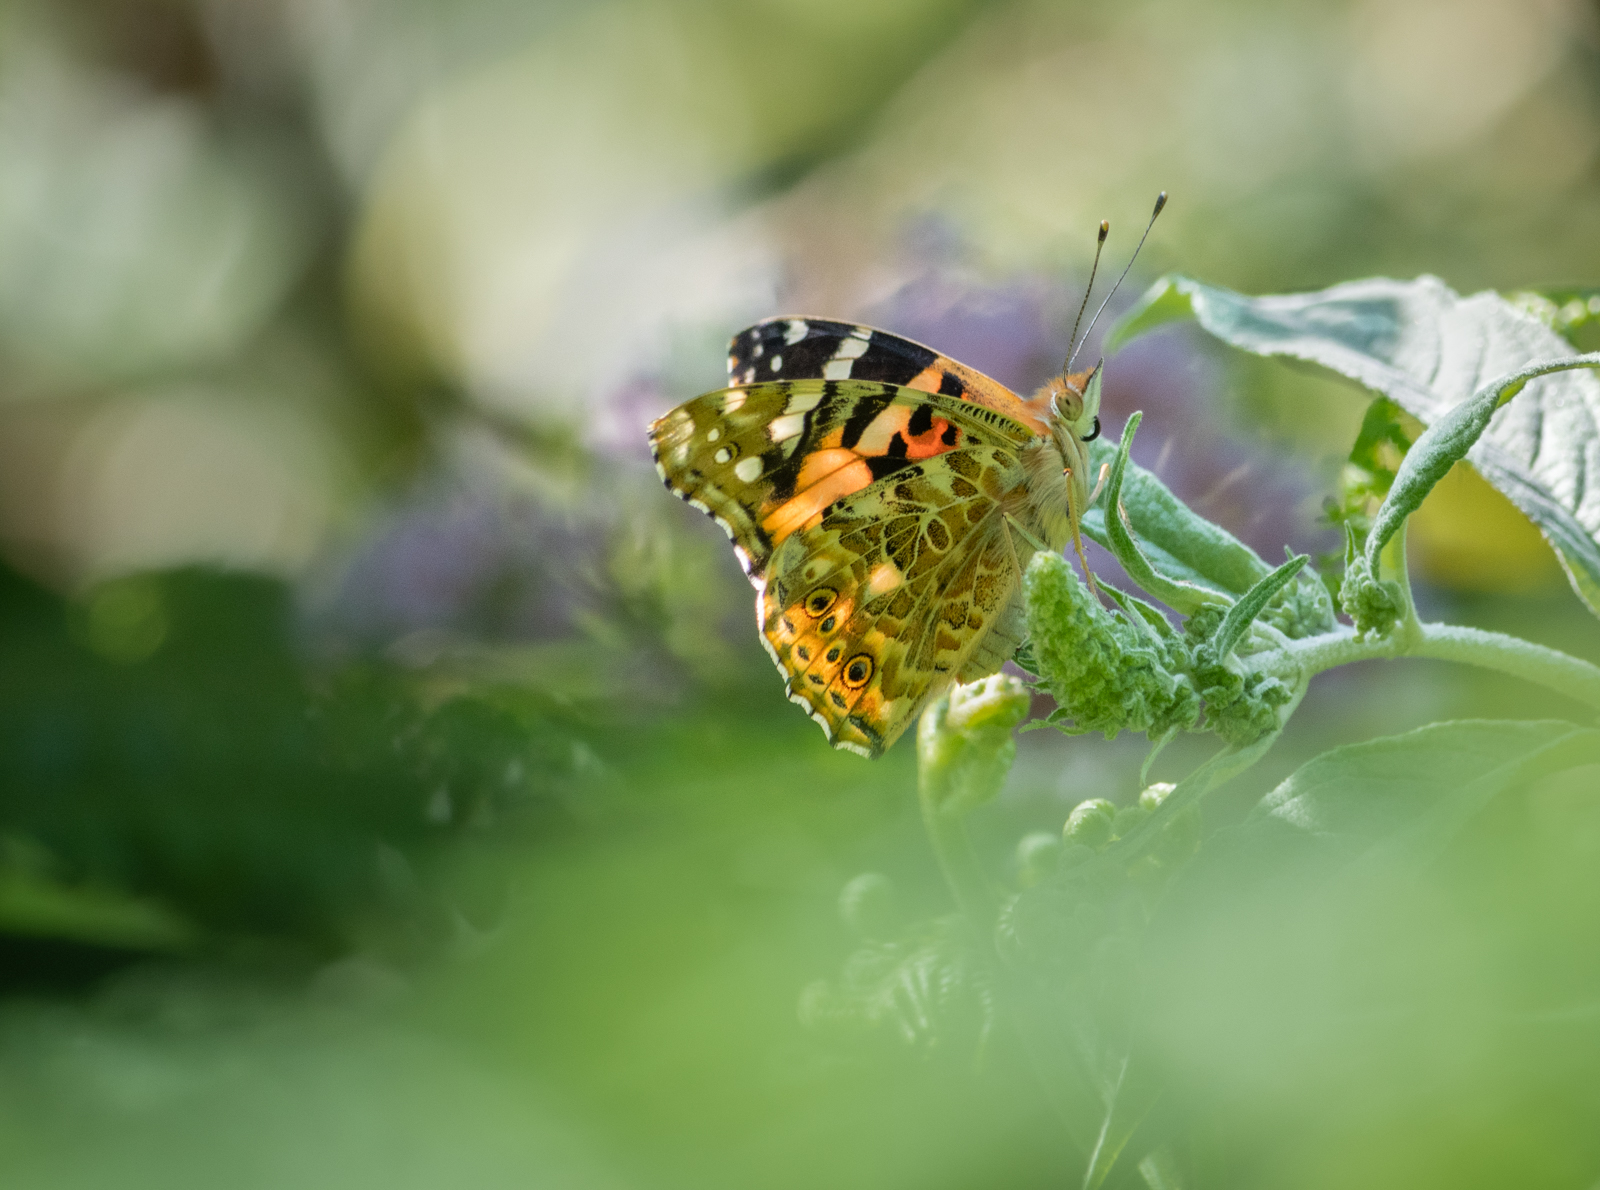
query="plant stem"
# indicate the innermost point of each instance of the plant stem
(1392, 564)
(952, 845)
(1449, 642)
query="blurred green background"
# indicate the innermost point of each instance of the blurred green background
(392, 789)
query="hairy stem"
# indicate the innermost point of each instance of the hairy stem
(1496, 651)
(1392, 564)
(952, 845)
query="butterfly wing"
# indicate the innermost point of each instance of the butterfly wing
(904, 587)
(870, 519)
(768, 460)
(816, 348)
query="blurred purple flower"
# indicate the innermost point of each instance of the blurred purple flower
(477, 563)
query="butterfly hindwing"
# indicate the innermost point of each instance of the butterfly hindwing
(901, 589)
(768, 460)
(816, 348)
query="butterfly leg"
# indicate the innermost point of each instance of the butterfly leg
(1074, 515)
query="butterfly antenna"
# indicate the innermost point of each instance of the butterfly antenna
(1105, 230)
(1161, 201)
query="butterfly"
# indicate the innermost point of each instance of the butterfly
(883, 500)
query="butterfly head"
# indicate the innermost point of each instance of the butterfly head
(1075, 403)
(1067, 408)
(1069, 405)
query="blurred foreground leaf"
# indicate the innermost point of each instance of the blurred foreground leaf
(1413, 793)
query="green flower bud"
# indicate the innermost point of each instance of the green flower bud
(1089, 824)
(1073, 854)
(964, 742)
(1241, 704)
(1127, 819)
(1156, 793)
(1037, 856)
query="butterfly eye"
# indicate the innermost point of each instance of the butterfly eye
(859, 671)
(820, 600)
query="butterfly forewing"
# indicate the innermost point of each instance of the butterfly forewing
(816, 348)
(770, 459)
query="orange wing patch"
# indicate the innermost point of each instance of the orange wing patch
(856, 453)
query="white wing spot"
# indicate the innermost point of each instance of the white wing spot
(837, 369)
(804, 402)
(777, 363)
(853, 347)
(733, 402)
(756, 353)
(723, 455)
(749, 469)
(795, 331)
(713, 433)
(786, 427)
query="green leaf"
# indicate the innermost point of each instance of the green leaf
(1429, 349)
(1242, 614)
(34, 902)
(1131, 1100)
(1179, 546)
(1412, 793)
(1177, 591)
(1446, 442)
(1142, 615)
(1380, 428)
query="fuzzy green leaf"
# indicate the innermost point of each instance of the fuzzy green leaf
(1242, 614)
(1414, 792)
(1186, 597)
(1179, 545)
(1179, 542)
(1446, 442)
(1429, 349)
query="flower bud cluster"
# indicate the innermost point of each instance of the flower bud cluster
(1303, 608)
(1110, 674)
(1373, 604)
(1107, 673)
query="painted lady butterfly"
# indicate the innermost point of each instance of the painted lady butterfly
(883, 500)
